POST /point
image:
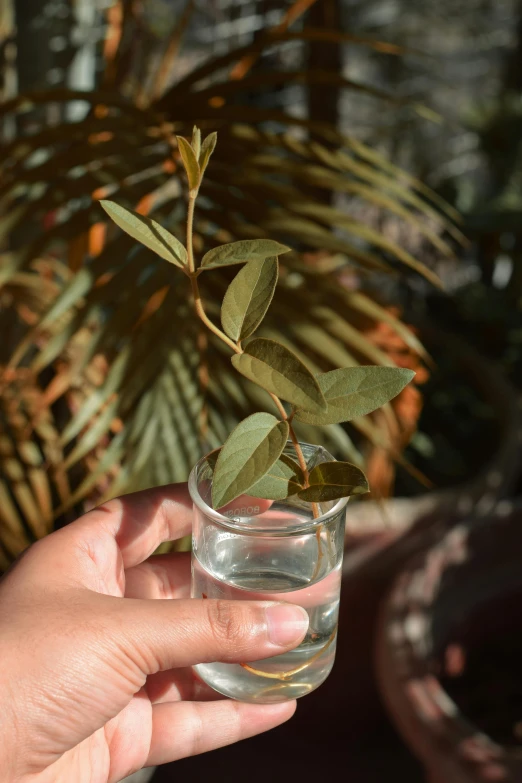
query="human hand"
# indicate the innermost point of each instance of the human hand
(95, 677)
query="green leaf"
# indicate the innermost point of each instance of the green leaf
(190, 162)
(196, 141)
(249, 452)
(241, 252)
(278, 370)
(352, 392)
(283, 479)
(333, 480)
(148, 232)
(207, 148)
(248, 297)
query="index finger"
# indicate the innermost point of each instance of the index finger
(137, 523)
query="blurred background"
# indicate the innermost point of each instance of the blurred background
(382, 140)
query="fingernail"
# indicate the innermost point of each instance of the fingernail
(287, 624)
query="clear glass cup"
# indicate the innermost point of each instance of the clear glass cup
(271, 550)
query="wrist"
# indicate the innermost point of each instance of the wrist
(12, 711)
(8, 733)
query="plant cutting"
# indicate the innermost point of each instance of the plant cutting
(269, 510)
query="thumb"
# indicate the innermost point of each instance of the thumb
(165, 634)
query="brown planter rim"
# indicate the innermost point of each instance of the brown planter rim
(450, 745)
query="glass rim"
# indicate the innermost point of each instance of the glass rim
(229, 524)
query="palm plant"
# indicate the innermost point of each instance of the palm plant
(105, 380)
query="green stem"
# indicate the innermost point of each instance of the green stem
(298, 450)
(190, 231)
(300, 458)
(279, 405)
(198, 305)
(302, 464)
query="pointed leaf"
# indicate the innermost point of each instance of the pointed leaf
(249, 452)
(283, 479)
(207, 148)
(333, 480)
(190, 162)
(241, 252)
(248, 297)
(278, 370)
(148, 232)
(196, 141)
(352, 392)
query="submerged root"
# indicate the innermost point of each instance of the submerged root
(290, 673)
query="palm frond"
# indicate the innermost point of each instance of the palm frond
(106, 361)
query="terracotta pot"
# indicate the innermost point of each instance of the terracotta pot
(445, 610)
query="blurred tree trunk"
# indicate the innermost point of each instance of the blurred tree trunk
(323, 100)
(513, 67)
